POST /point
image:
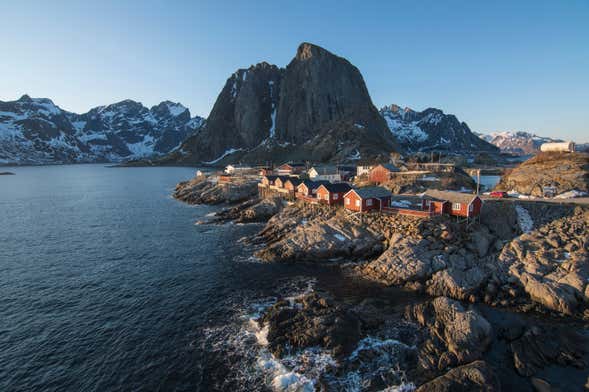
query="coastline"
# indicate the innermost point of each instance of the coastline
(397, 253)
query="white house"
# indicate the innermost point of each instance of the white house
(325, 173)
(232, 169)
(361, 170)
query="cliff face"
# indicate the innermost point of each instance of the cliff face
(242, 117)
(318, 108)
(321, 88)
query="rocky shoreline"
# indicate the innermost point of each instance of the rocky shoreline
(521, 258)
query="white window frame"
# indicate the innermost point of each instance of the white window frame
(358, 203)
(347, 200)
(335, 196)
(456, 206)
(470, 208)
(368, 202)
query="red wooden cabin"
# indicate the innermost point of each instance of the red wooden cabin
(269, 180)
(367, 199)
(292, 183)
(452, 203)
(309, 188)
(382, 173)
(331, 194)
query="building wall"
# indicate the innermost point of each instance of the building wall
(379, 175)
(368, 204)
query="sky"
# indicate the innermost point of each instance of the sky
(501, 65)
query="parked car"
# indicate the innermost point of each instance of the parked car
(498, 194)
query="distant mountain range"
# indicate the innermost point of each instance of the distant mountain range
(36, 131)
(317, 109)
(432, 130)
(520, 143)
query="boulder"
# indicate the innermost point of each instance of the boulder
(475, 376)
(312, 320)
(456, 335)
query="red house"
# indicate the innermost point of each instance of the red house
(280, 181)
(291, 168)
(331, 194)
(292, 183)
(452, 203)
(367, 199)
(309, 188)
(382, 173)
(269, 180)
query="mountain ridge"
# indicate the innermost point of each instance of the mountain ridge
(37, 131)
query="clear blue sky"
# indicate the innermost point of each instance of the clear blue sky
(497, 65)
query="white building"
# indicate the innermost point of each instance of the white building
(325, 173)
(233, 169)
(361, 170)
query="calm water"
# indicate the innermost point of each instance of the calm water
(107, 284)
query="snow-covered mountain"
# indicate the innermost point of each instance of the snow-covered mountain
(432, 130)
(36, 131)
(517, 142)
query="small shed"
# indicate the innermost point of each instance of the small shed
(383, 172)
(367, 199)
(452, 203)
(332, 193)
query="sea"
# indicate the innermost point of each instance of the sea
(107, 284)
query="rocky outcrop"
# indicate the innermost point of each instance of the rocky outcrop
(311, 320)
(457, 180)
(432, 130)
(475, 376)
(542, 346)
(321, 237)
(207, 190)
(251, 211)
(563, 171)
(551, 263)
(455, 335)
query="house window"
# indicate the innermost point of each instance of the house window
(347, 201)
(456, 207)
(427, 202)
(326, 197)
(357, 203)
(368, 202)
(470, 208)
(335, 196)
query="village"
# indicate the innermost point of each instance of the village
(359, 189)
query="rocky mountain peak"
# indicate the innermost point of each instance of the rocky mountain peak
(307, 51)
(25, 98)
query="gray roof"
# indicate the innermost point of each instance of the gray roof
(453, 197)
(390, 167)
(373, 192)
(325, 169)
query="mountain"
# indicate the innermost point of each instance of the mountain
(36, 131)
(318, 109)
(517, 143)
(432, 130)
(242, 117)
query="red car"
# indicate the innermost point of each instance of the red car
(498, 194)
